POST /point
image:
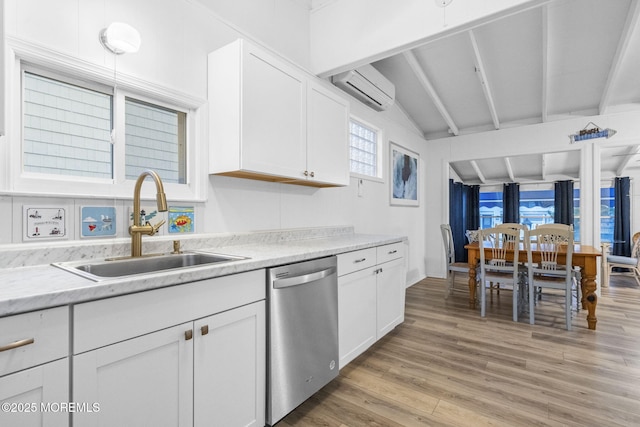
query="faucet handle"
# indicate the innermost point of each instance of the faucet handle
(156, 227)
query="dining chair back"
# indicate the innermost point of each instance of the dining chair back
(453, 267)
(630, 264)
(549, 261)
(499, 254)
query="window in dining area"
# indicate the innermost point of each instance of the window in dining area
(536, 207)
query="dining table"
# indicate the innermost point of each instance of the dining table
(584, 256)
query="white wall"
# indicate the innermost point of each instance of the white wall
(538, 138)
(176, 36)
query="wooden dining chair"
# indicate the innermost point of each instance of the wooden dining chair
(549, 272)
(499, 263)
(453, 267)
(630, 264)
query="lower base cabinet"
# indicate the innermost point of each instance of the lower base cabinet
(204, 373)
(371, 294)
(33, 397)
(230, 368)
(204, 365)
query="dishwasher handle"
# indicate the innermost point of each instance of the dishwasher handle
(301, 279)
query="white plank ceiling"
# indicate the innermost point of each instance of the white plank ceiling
(564, 59)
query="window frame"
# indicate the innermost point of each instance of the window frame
(379, 151)
(74, 71)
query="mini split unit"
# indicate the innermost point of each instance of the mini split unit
(367, 85)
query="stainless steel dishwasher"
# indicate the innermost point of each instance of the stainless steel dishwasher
(302, 335)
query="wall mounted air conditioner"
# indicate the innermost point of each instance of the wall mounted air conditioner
(367, 85)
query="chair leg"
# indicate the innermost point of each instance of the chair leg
(636, 275)
(532, 303)
(449, 290)
(483, 297)
(567, 309)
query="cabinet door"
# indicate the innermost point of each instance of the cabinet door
(229, 372)
(391, 293)
(32, 396)
(144, 381)
(356, 314)
(273, 116)
(327, 136)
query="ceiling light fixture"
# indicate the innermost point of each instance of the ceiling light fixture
(591, 133)
(120, 38)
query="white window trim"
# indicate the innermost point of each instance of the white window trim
(379, 152)
(17, 182)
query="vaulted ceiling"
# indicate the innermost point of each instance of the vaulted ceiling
(564, 59)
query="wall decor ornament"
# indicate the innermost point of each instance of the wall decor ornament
(404, 173)
(97, 221)
(591, 133)
(44, 222)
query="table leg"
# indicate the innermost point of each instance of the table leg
(472, 286)
(590, 299)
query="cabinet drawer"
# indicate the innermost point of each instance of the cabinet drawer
(356, 260)
(107, 321)
(390, 252)
(36, 337)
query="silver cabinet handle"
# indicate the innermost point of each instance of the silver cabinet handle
(359, 260)
(17, 344)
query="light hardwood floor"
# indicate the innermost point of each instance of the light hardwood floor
(446, 366)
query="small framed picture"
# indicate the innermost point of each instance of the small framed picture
(97, 221)
(404, 176)
(44, 222)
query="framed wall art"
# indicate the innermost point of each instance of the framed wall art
(404, 176)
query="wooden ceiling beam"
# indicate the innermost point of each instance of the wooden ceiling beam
(476, 168)
(428, 87)
(626, 159)
(621, 51)
(484, 82)
(545, 63)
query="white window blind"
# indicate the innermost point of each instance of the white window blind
(66, 129)
(155, 139)
(364, 149)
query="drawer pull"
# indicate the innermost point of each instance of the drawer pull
(188, 334)
(393, 252)
(204, 330)
(17, 344)
(360, 260)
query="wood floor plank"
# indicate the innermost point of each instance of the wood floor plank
(447, 366)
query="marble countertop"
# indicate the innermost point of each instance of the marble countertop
(32, 286)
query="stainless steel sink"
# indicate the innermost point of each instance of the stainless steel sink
(122, 267)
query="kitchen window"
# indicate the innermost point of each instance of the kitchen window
(68, 131)
(81, 134)
(364, 150)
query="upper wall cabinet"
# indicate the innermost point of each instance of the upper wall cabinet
(271, 121)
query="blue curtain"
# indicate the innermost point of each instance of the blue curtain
(622, 222)
(457, 218)
(511, 203)
(464, 214)
(563, 202)
(473, 207)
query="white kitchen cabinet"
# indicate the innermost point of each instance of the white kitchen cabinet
(143, 381)
(230, 368)
(357, 318)
(33, 397)
(371, 293)
(191, 354)
(390, 286)
(327, 136)
(34, 368)
(269, 120)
